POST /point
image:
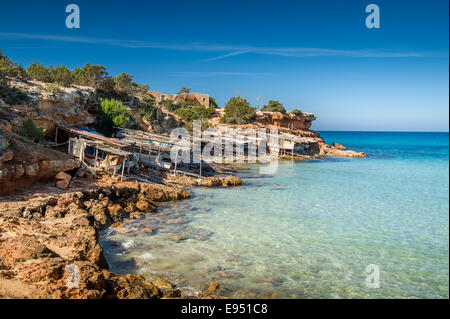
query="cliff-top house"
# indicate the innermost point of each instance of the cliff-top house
(198, 98)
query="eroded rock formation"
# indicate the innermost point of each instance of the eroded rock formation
(288, 120)
(23, 164)
(49, 246)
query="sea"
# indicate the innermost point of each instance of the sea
(375, 227)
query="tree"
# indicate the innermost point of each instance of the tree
(184, 90)
(297, 112)
(113, 113)
(212, 102)
(148, 110)
(90, 75)
(123, 84)
(274, 106)
(9, 68)
(238, 111)
(191, 114)
(140, 88)
(61, 75)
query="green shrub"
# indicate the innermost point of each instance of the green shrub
(184, 90)
(11, 95)
(39, 72)
(297, 112)
(212, 102)
(191, 114)
(238, 111)
(140, 89)
(53, 87)
(61, 75)
(90, 75)
(123, 84)
(168, 105)
(113, 113)
(274, 106)
(148, 110)
(31, 131)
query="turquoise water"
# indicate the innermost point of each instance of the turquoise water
(310, 230)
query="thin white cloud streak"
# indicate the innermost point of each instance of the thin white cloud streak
(219, 73)
(226, 55)
(233, 50)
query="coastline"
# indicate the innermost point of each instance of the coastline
(43, 239)
(251, 236)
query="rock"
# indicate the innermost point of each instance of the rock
(179, 220)
(161, 283)
(232, 181)
(130, 208)
(176, 293)
(63, 176)
(338, 146)
(144, 206)
(32, 170)
(18, 171)
(136, 215)
(146, 230)
(213, 287)
(62, 184)
(177, 238)
(7, 156)
(39, 255)
(116, 212)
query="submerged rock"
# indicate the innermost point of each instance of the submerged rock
(177, 238)
(162, 283)
(213, 287)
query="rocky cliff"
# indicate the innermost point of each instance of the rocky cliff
(288, 120)
(48, 105)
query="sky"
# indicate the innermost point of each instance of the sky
(317, 56)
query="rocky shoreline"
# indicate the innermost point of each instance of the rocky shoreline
(50, 242)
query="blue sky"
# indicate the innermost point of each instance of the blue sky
(317, 56)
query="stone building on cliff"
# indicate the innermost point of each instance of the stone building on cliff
(198, 98)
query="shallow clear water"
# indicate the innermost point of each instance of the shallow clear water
(310, 230)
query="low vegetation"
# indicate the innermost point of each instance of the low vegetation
(238, 111)
(94, 76)
(148, 110)
(32, 132)
(9, 68)
(192, 113)
(184, 90)
(53, 88)
(11, 95)
(297, 112)
(274, 106)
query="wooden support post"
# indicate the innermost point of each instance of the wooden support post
(176, 162)
(96, 157)
(56, 135)
(128, 168)
(123, 167)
